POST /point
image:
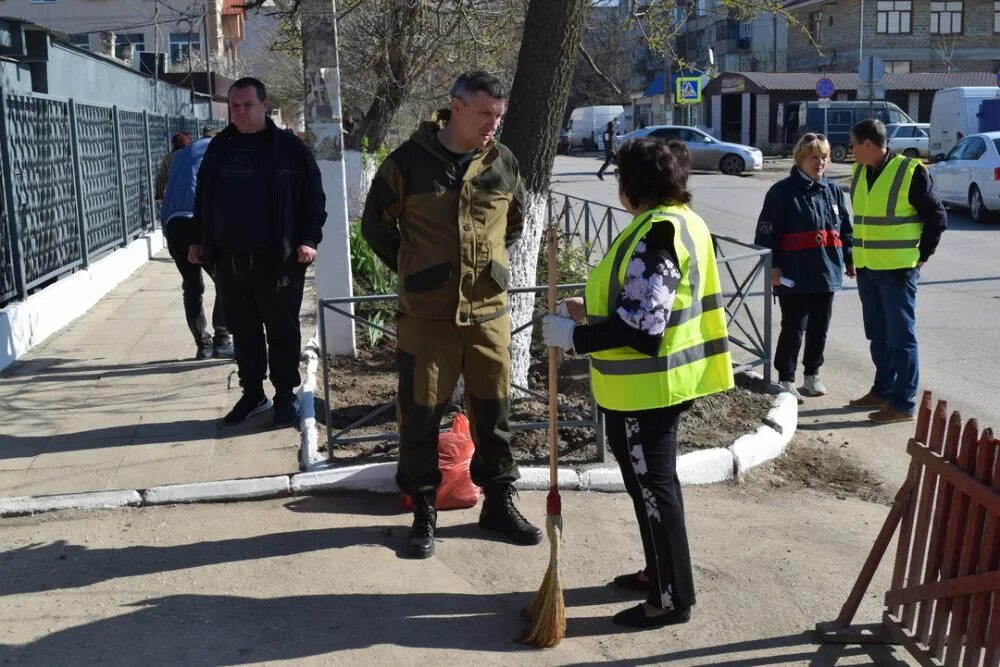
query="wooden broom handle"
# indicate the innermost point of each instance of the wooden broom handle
(553, 243)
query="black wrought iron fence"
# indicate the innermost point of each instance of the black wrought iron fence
(77, 182)
(744, 270)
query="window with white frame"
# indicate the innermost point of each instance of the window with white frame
(746, 30)
(183, 44)
(80, 40)
(946, 18)
(897, 66)
(893, 16)
(136, 40)
(816, 26)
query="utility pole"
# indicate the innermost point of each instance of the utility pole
(156, 56)
(325, 136)
(668, 94)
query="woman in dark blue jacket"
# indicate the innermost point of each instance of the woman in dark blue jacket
(806, 226)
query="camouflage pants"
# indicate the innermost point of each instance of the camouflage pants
(431, 355)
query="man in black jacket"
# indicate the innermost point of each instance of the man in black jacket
(260, 208)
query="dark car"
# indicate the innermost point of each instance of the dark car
(803, 117)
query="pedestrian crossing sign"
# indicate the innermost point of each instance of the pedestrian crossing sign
(688, 90)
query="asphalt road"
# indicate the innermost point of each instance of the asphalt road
(957, 310)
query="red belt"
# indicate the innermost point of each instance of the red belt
(807, 240)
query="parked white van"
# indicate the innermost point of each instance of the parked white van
(955, 115)
(586, 125)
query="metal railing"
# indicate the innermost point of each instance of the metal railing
(77, 182)
(594, 226)
(343, 307)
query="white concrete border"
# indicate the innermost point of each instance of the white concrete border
(700, 467)
(25, 324)
(93, 500)
(232, 489)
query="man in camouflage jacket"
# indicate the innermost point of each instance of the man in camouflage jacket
(442, 212)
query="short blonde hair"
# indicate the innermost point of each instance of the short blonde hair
(809, 144)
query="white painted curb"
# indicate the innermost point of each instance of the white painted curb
(308, 434)
(537, 479)
(376, 477)
(93, 500)
(699, 467)
(767, 443)
(233, 489)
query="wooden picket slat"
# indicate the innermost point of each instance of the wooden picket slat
(956, 527)
(989, 557)
(924, 508)
(969, 553)
(942, 507)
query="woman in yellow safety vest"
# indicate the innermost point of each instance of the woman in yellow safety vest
(656, 335)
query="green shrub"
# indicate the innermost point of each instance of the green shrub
(371, 277)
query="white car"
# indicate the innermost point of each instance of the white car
(969, 175)
(707, 152)
(910, 139)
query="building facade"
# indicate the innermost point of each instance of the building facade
(908, 35)
(740, 42)
(181, 31)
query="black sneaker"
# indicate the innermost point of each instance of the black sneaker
(286, 410)
(223, 349)
(204, 352)
(500, 514)
(249, 404)
(421, 543)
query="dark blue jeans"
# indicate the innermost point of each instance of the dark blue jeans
(888, 305)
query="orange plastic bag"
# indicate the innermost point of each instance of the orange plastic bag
(455, 449)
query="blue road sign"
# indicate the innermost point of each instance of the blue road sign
(825, 87)
(689, 90)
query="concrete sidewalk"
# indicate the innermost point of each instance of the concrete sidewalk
(320, 581)
(116, 401)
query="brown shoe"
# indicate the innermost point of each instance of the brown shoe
(888, 415)
(869, 400)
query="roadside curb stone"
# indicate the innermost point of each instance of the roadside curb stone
(231, 489)
(91, 500)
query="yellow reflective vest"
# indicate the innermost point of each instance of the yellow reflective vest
(693, 359)
(886, 226)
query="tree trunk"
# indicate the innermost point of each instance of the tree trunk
(552, 32)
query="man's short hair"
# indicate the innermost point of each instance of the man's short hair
(476, 81)
(871, 129)
(250, 82)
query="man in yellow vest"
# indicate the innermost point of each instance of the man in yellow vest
(898, 221)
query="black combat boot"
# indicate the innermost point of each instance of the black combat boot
(424, 522)
(499, 514)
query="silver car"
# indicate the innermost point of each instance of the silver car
(910, 139)
(707, 152)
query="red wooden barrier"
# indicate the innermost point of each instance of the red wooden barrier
(944, 600)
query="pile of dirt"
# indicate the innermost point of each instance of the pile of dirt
(361, 385)
(815, 462)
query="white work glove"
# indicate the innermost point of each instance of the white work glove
(558, 331)
(562, 310)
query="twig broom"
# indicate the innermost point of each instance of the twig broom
(547, 612)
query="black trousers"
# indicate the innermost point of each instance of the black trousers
(180, 233)
(609, 158)
(807, 314)
(645, 446)
(262, 304)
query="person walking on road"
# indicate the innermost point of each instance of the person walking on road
(898, 222)
(610, 138)
(807, 227)
(177, 214)
(260, 209)
(442, 212)
(657, 339)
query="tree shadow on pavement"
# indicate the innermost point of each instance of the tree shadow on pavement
(228, 629)
(143, 433)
